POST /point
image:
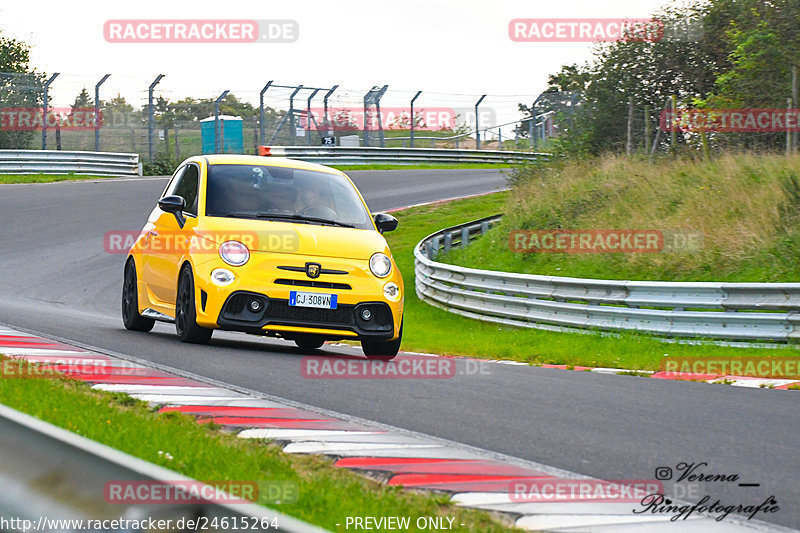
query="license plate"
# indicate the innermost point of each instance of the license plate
(312, 299)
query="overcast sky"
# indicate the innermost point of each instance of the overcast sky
(452, 50)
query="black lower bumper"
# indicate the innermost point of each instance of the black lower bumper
(250, 312)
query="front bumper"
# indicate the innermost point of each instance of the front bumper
(261, 279)
(277, 315)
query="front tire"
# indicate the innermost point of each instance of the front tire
(383, 350)
(186, 312)
(130, 302)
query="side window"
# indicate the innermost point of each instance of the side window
(185, 185)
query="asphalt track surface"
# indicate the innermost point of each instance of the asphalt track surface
(56, 278)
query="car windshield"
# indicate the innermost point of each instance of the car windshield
(284, 194)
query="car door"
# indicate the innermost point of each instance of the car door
(168, 242)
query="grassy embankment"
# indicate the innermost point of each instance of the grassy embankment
(747, 208)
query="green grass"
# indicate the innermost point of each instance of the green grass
(428, 329)
(326, 495)
(46, 178)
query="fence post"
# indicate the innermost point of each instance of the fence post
(308, 116)
(795, 134)
(151, 117)
(44, 110)
(97, 112)
(216, 123)
(477, 124)
(673, 135)
(261, 111)
(412, 117)
(629, 144)
(328, 94)
(531, 140)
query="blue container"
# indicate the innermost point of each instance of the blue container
(232, 133)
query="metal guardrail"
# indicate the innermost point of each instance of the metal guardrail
(48, 472)
(365, 155)
(725, 311)
(59, 162)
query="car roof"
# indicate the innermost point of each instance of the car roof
(239, 159)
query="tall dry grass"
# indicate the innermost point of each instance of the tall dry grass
(746, 206)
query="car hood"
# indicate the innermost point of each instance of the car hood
(303, 239)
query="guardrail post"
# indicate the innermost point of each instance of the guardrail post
(151, 117)
(435, 246)
(484, 227)
(464, 237)
(217, 141)
(45, 105)
(97, 112)
(448, 241)
(261, 111)
(477, 124)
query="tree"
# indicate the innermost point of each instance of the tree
(20, 87)
(83, 100)
(118, 111)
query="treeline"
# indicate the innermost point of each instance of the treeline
(734, 54)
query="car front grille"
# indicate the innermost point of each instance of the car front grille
(281, 311)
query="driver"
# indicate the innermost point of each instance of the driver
(312, 203)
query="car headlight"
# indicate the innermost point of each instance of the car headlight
(234, 253)
(380, 264)
(391, 291)
(222, 277)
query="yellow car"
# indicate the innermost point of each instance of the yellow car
(267, 246)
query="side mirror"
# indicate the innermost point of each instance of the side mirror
(385, 222)
(175, 205)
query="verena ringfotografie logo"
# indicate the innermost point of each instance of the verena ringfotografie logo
(200, 31)
(730, 120)
(566, 241)
(583, 490)
(64, 118)
(176, 242)
(585, 30)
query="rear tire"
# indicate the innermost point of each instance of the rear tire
(130, 302)
(383, 350)
(186, 312)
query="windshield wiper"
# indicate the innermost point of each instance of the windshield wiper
(304, 218)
